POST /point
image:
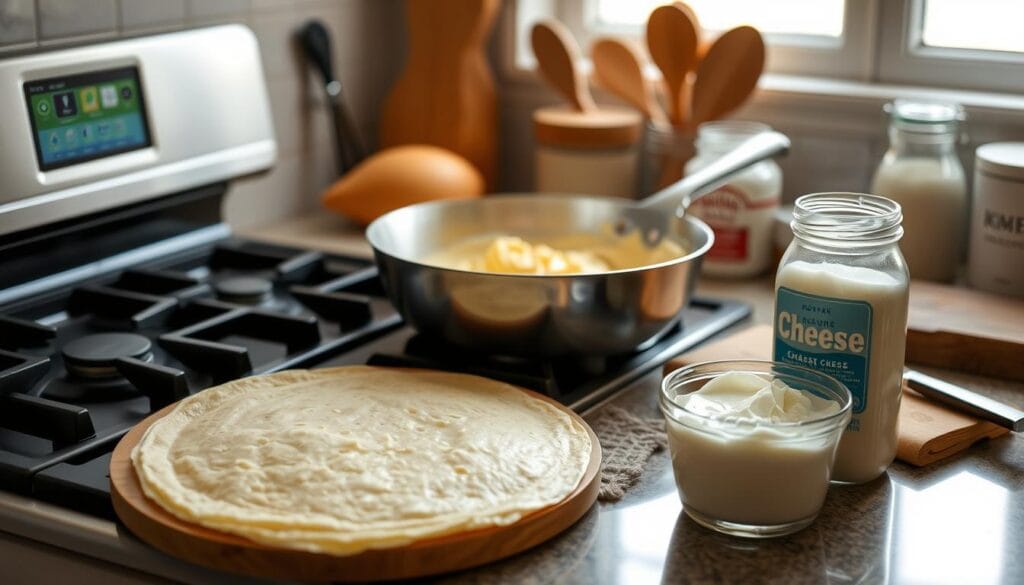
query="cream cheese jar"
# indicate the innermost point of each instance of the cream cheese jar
(741, 212)
(996, 254)
(841, 296)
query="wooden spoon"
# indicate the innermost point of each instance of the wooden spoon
(727, 75)
(618, 68)
(702, 42)
(557, 55)
(672, 42)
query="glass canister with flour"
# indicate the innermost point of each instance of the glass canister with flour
(841, 296)
(921, 172)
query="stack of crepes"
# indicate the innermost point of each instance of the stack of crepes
(348, 459)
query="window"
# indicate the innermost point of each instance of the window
(789, 17)
(952, 43)
(990, 25)
(963, 44)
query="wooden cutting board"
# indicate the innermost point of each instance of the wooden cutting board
(227, 552)
(753, 343)
(967, 330)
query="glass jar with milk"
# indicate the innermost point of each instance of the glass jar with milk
(841, 296)
(921, 172)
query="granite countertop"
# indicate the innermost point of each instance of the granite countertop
(959, 521)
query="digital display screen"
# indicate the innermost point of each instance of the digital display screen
(77, 118)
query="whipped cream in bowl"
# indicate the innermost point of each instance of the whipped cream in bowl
(753, 443)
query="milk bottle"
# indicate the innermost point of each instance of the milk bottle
(922, 173)
(841, 308)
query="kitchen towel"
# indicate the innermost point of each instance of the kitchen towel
(928, 431)
(627, 442)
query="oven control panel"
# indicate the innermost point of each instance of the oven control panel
(78, 118)
(96, 127)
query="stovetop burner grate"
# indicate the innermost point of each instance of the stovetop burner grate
(78, 371)
(578, 382)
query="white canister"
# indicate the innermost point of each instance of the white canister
(741, 212)
(590, 153)
(995, 261)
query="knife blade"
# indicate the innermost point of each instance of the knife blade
(965, 400)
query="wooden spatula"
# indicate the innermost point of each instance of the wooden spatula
(672, 42)
(557, 54)
(727, 75)
(618, 68)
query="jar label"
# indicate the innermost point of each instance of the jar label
(832, 336)
(732, 213)
(730, 243)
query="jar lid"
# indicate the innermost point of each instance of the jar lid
(925, 116)
(722, 136)
(604, 128)
(1001, 158)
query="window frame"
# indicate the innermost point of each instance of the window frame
(881, 43)
(822, 56)
(904, 58)
(793, 54)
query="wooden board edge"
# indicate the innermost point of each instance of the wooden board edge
(227, 552)
(966, 353)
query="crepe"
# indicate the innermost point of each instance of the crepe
(347, 459)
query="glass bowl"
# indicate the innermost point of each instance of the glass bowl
(749, 476)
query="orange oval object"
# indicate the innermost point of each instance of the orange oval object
(401, 176)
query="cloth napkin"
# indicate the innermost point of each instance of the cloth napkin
(627, 442)
(928, 431)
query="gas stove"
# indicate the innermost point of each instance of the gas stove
(86, 362)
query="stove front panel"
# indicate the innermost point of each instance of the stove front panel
(193, 82)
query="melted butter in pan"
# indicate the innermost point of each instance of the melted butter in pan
(570, 254)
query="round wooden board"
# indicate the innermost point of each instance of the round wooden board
(227, 552)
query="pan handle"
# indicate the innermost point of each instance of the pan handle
(682, 193)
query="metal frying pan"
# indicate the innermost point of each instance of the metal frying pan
(551, 315)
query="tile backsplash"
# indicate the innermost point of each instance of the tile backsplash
(369, 48)
(61, 19)
(17, 23)
(140, 15)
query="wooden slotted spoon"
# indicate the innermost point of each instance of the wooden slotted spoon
(557, 55)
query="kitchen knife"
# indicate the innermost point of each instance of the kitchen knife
(964, 400)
